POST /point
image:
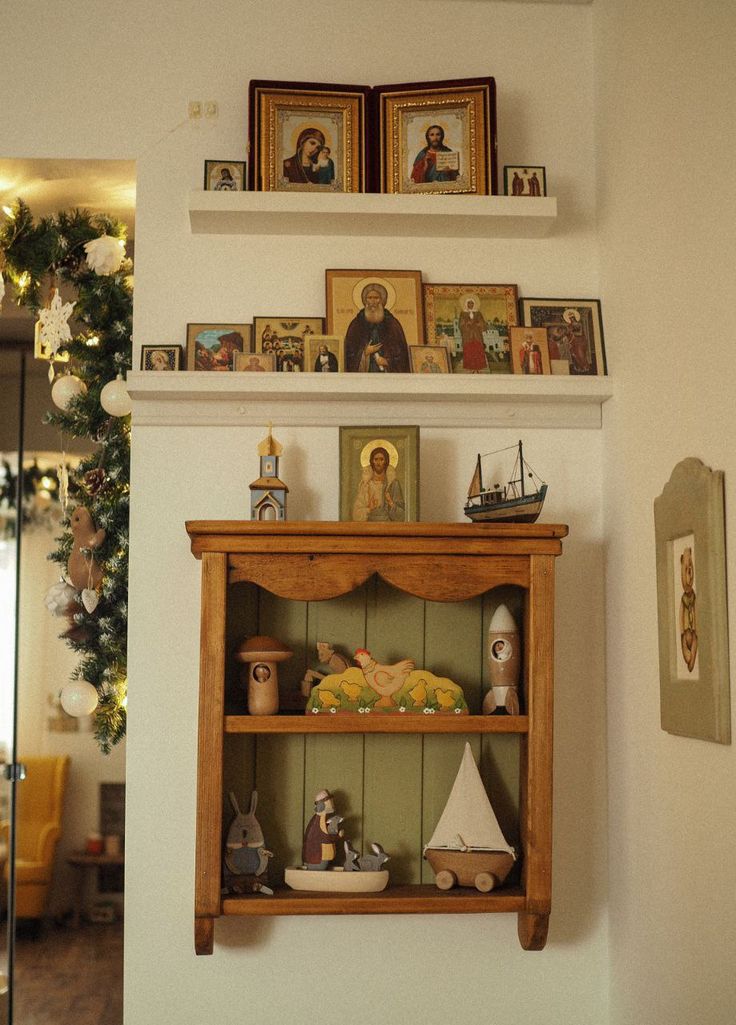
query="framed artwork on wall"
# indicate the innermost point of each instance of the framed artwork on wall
(379, 474)
(325, 354)
(286, 338)
(524, 180)
(254, 362)
(692, 607)
(212, 346)
(379, 314)
(224, 175)
(307, 137)
(429, 359)
(473, 322)
(574, 332)
(529, 353)
(161, 357)
(436, 136)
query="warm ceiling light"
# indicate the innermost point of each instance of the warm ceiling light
(9, 212)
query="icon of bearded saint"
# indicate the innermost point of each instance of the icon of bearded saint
(375, 342)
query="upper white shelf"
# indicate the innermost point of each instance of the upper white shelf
(320, 400)
(360, 214)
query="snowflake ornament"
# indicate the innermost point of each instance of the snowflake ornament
(54, 327)
(105, 254)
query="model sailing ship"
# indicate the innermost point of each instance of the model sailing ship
(513, 503)
(467, 847)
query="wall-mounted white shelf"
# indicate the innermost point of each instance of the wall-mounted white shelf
(304, 213)
(200, 398)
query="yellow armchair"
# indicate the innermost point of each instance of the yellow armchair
(40, 801)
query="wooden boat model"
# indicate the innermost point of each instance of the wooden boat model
(512, 503)
(467, 847)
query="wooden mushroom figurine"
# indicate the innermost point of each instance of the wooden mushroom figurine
(262, 655)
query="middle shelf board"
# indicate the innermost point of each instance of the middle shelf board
(396, 900)
(395, 723)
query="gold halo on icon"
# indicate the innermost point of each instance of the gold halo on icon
(360, 285)
(307, 123)
(571, 314)
(465, 299)
(365, 455)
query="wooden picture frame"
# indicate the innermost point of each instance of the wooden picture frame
(286, 338)
(574, 332)
(524, 180)
(161, 357)
(324, 354)
(692, 606)
(476, 345)
(224, 175)
(353, 296)
(291, 123)
(429, 359)
(249, 362)
(211, 346)
(370, 490)
(413, 157)
(529, 353)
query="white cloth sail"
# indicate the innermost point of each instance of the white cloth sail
(468, 821)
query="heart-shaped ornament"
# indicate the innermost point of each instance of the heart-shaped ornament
(90, 598)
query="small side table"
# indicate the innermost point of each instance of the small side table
(85, 864)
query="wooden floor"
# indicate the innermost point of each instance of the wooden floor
(70, 976)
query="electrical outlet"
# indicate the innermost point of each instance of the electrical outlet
(210, 108)
(195, 110)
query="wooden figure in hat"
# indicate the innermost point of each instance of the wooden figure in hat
(320, 836)
(268, 493)
(504, 663)
(327, 656)
(245, 862)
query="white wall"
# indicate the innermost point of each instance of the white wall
(666, 95)
(153, 60)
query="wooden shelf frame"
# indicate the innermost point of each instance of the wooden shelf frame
(377, 723)
(315, 561)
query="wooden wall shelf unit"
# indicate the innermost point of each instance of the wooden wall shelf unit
(421, 590)
(364, 214)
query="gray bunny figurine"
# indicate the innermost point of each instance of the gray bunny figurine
(245, 862)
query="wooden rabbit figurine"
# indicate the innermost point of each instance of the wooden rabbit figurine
(245, 863)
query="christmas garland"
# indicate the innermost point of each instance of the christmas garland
(86, 253)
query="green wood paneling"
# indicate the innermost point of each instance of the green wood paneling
(238, 774)
(393, 765)
(242, 622)
(279, 775)
(287, 621)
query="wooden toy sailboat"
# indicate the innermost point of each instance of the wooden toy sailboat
(467, 847)
(509, 504)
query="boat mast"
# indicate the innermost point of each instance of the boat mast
(521, 468)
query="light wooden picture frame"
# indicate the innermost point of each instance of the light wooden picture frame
(212, 346)
(324, 354)
(429, 359)
(692, 607)
(375, 492)
(286, 338)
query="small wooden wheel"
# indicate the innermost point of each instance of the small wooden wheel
(485, 882)
(445, 879)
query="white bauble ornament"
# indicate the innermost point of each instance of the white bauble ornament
(105, 254)
(114, 397)
(78, 698)
(66, 388)
(59, 597)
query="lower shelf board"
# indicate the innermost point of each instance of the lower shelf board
(395, 900)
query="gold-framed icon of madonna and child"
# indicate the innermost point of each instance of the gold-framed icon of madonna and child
(307, 137)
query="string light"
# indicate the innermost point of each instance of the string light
(24, 280)
(92, 341)
(9, 212)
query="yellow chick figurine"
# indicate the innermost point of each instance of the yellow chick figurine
(328, 699)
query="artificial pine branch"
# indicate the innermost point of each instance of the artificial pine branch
(31, 254)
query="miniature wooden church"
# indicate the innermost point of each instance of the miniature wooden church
(268, 493)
